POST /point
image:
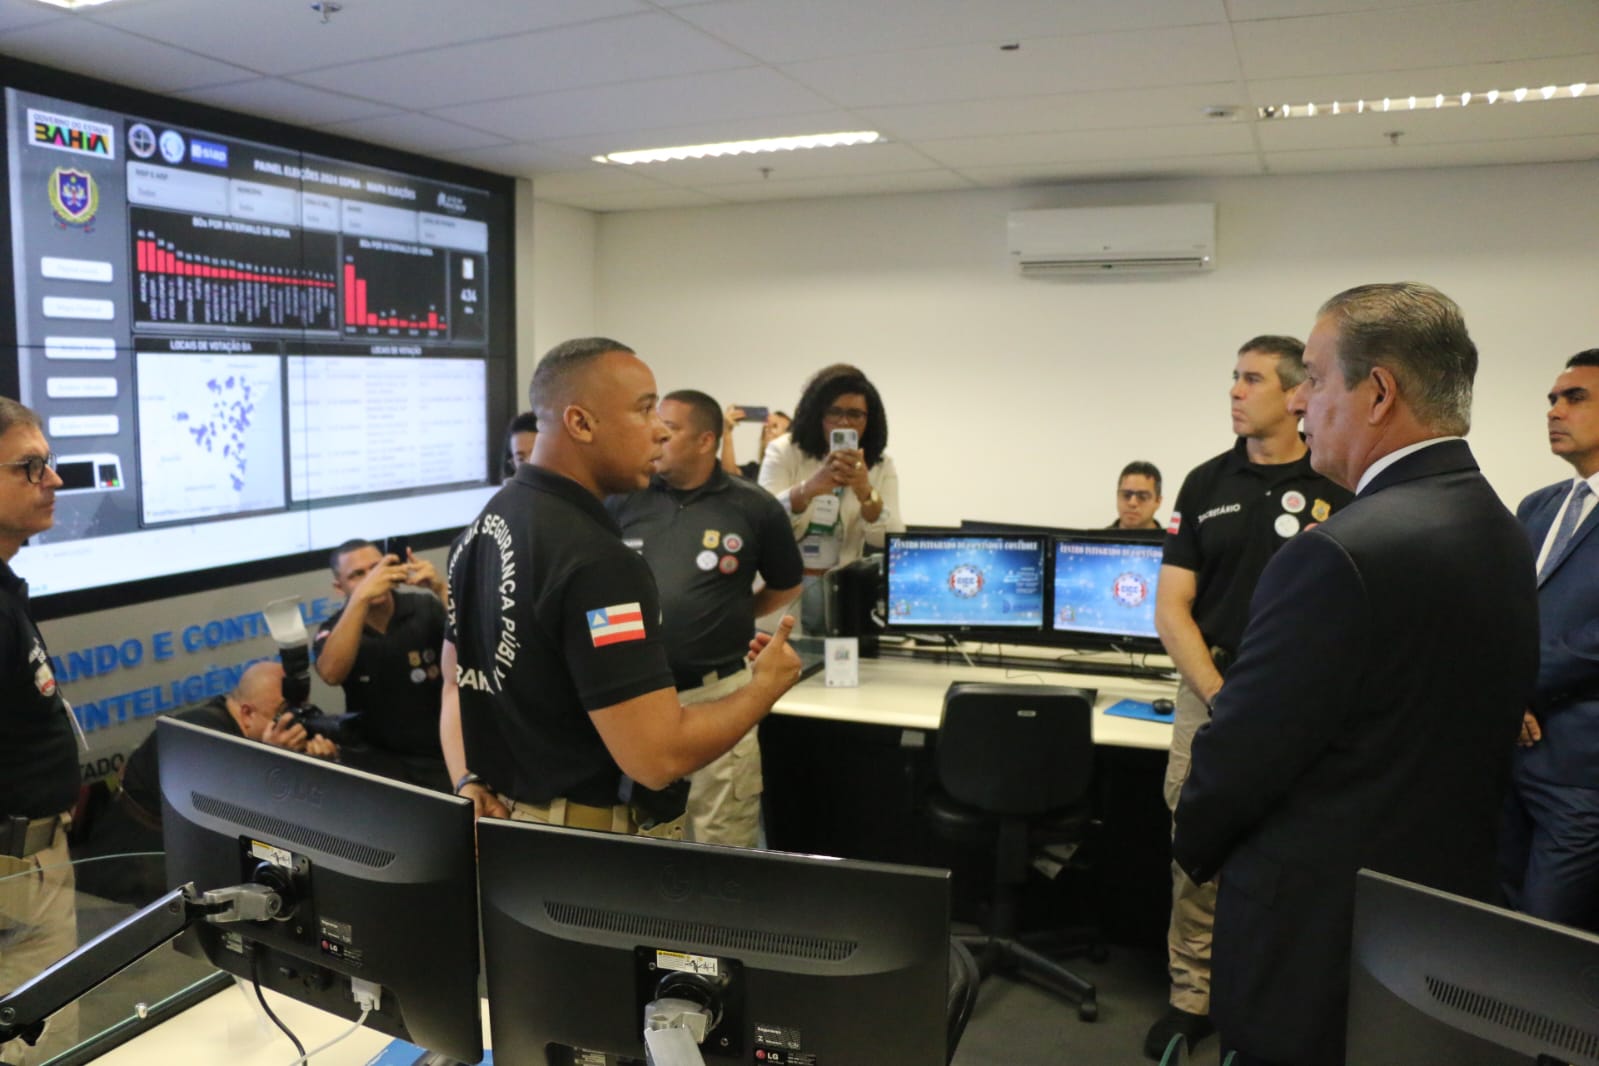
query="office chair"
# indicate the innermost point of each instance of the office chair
(1014, 767)
(964, 977)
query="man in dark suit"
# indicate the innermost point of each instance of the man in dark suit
(1551, 842)
(1390, 652)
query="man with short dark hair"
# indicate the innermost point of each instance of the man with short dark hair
(1368, 719)
(565, 708)
(1137, 496)
(520, 436)
(39, 774)
(1550, 852)
(1233, 513)
(707, 536)
(382, 647)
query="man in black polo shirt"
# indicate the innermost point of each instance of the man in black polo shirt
(39, 774)
(383, 647)
(1232, 514)
(568, 712)
(706, 536)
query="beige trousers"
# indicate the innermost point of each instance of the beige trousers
(38, 925)
(724, 799)
(1193, 907)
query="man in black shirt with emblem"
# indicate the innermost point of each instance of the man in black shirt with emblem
(567, 706)
(39, 773)
(383, 647)
(1232, 514)
(706, 536)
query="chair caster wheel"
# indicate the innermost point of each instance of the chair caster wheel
(1088, 1011)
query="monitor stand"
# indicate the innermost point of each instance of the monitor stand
(671, 1047)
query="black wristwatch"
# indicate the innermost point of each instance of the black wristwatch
(468, 778)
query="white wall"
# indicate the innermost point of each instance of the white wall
(555, 279)
(1020, 399)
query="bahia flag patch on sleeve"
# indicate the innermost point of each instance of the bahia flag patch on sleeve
(612, 625)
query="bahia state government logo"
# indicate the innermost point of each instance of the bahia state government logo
(74, 197)
(1130, 589)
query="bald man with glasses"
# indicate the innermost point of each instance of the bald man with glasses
(39, 775)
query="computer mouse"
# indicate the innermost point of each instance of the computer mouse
(1163, 706)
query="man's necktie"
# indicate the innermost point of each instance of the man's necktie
(1568, 527)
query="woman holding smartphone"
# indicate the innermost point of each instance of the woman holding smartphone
(833, 477)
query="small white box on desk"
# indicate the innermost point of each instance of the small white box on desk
(843, 662)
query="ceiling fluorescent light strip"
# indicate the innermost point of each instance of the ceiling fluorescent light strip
(765, 144)
(70, 4)
(1436, 102)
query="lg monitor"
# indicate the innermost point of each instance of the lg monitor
(780, 958)
(377, 880)
(1103, 587)
(1440, 980)
(965, 582)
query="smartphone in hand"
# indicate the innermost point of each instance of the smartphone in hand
(753, 413)
(399, 547)
(843, 440)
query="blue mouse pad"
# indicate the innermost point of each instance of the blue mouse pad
(400, 1053)
(1137, 709)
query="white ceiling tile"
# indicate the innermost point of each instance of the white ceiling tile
(1479, 31)
(523, 160)
(846, 185)
(1175, 56)
(1501, 122)
(805, 163)
(634, 48)
(415, 133)
(1064, 111)
(1112, 170)
(714, 97)
(102, 52)
(286, 102)
(1532, 150)
(640, 200)
(593, 178)
(782, 31)
(736, 129)
(1249, 10)
(282, 36)
(1081, 145)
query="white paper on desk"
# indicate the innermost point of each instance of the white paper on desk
(843, 662)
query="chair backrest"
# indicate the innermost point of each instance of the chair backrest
(1016, 749)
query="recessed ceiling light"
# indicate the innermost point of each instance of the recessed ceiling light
(70, 4)
(765, 144)
(1433, 102)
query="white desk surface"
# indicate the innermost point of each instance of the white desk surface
(229, 1028)
(909, 694)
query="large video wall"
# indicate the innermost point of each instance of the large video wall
(247, 341)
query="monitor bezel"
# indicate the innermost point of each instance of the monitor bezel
(1132, 643)
(1025, 634)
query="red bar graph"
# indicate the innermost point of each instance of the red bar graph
(359, 312)
(154, 259)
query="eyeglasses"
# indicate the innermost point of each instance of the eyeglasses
(845, 414)
(35, 465)
(1141, 495)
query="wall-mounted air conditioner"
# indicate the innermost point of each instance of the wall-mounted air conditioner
(1113, 240)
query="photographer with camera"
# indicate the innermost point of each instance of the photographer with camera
(831, 474)
(256, 708)
(382, 646)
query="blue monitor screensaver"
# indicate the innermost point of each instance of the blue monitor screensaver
(984, 582)
(1105, 587)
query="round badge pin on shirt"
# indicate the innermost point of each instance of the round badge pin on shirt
(728, 564)
(705, 560)
(1293, 501)
(733, 542)
(1286, 525)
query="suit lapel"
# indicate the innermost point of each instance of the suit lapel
(1583, 531)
